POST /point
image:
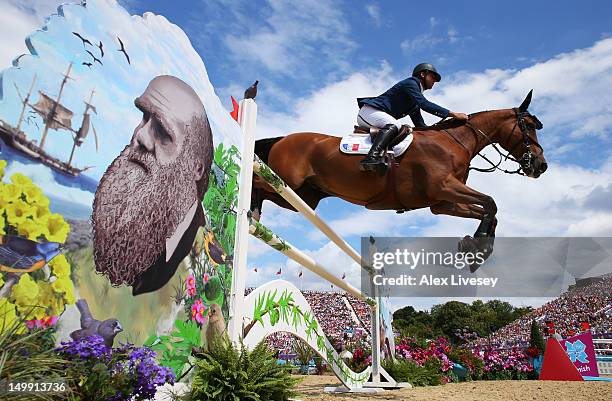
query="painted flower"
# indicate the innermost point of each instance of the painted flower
(3, 164)
(33, 194)
(8, 316)
(201, 315)
(1, 280)
(58, 228)
(206, 277)
(12, 192)
(25, 292)
(21, 180)
(31, 230)
(60, 266)
(198, 310)
(65, 286)
(17, 212)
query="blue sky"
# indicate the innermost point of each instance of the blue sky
(314, 58)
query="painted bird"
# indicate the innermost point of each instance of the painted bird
(21, 255)
(216, 324)
(95, 59)
(107, 329)
(214, 251)
(122, 50)
(85, 41)
(251, 91)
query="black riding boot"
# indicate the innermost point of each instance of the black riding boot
(374, 160)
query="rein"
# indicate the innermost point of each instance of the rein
(524, 160)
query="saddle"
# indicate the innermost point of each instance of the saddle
(380, 201)
(373, 131)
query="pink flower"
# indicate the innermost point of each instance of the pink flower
(191, 291)
(205, 278)
(190, 281)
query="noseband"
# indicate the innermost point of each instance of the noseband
(527, 158)
(524, 126)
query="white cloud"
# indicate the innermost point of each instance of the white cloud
(374, 12)
(291, 33)
(432, 39)
(18, 19)
(420, 42)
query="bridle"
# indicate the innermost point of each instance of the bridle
(525, 160)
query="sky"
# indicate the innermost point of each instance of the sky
(313, 58)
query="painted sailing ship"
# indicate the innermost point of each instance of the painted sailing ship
(56, 117)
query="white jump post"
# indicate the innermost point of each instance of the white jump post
(267, 296)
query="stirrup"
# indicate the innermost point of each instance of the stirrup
(370, 163)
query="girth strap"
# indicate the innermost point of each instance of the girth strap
(390, 184)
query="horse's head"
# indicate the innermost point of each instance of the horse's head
(522, 140)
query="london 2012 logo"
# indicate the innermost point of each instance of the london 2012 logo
(576, 351)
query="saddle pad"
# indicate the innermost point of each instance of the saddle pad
(360, 144)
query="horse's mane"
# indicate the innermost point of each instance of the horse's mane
(446, 124)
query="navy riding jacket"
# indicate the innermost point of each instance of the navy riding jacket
(404, 98)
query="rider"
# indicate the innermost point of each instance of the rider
(404, 98)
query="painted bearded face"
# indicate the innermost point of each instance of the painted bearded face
(149, 188)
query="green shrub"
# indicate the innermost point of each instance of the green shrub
(227, 373)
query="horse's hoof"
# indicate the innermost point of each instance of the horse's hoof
(466, 244)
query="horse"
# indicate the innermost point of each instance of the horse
(432, 173)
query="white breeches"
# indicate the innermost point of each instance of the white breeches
(369, 116)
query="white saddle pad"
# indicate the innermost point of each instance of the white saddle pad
(360, 144)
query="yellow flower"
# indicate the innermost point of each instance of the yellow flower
(40, 212)
(20, 179)
(32, 230)
(50, 299)
(2, 222)
(58, 228)
(12, 192)
(32, 193)
(1, 275)
(65, 286)
(2, 167)
(8, 316)
(60, 266)
(17, 212)
(4, 197)
(25, 292)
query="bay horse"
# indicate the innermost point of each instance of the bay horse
(431, 173)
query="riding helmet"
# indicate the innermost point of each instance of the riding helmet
(426, 67)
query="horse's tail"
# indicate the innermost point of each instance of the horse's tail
(263, 146)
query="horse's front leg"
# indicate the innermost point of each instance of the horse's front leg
(463, 201)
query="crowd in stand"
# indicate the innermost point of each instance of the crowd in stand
(333, 315)
(588, 307)
(585, 307)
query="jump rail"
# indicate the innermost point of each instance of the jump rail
(265, 303)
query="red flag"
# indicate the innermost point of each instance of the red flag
(278, 273)
(343, 276)
(234, 113)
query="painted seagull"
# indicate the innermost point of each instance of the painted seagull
(83, 39)
(94, 57)
(87, 64)
(122, 50)
(100, 46)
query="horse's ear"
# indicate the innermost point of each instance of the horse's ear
(523, 107)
